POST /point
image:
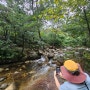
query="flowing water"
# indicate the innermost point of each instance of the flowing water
(37, 74)
(30, 75)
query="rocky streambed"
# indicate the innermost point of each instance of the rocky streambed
(22, 76)
(38, 73)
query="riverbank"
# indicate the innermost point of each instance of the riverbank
(39, 72)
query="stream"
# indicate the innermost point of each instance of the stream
(38, 74)
(28, 75)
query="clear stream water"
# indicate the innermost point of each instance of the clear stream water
(29, 74)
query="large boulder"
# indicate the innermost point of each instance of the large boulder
(33, 55)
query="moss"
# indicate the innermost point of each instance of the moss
(86, 55)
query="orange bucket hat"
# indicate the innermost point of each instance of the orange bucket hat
(69, 67)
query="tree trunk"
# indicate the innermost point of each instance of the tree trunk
(32, 6)
(23, 42)
(6, 34)
(85, 15)
(15, 34)
(39, 34)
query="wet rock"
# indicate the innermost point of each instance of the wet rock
(59, 56)
(3, 86)
(27, 62)
(33, 55)
(7, 69)
(43, 59)
(16, 72)
(32, 72)
(11, 87)
(52, 63)
(44, 82)
(23, 67)
(20, 69)
(40, 52)
(50, 55)
(2, 79)
(17, 75)
(1, 69)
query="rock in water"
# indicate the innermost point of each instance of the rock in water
(11, 86)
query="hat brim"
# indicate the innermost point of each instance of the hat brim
(73, 78)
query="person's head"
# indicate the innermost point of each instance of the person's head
(72, 72)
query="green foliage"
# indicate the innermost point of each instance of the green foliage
(63, 39)
(7, 50)
(55, 38)
(86, 56)
(69, 25)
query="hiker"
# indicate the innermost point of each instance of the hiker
(75, 77)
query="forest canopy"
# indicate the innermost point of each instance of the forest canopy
(37, 23)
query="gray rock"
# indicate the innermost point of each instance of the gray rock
(76, 53)
(1, 69)
(3, 86)
(7, 69)
(2, 79)
(27, 62)
(69, 48)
